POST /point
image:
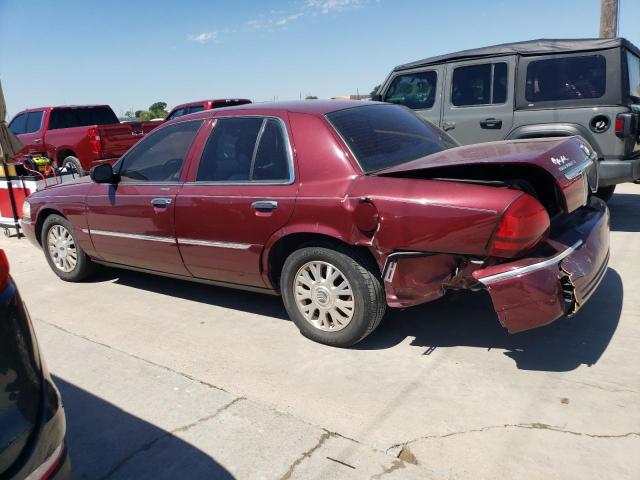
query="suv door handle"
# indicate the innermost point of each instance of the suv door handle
(491, 123)
(450, 125)
(264, 205)
(161, 202)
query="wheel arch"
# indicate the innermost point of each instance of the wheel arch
(546, 130)
(65, 152)
(43, 214)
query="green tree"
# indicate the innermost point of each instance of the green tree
(375, 90)
(311, 97)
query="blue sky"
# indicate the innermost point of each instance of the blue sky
(130, 54)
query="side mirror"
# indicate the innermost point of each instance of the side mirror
(376, 97)
(103, 174)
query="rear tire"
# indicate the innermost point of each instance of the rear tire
(73, 164)
(605, 193)
(333, 294)
(65, 257)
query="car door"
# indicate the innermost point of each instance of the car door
(241, 192)
(479, 101)
(420, 90)
(131, 222)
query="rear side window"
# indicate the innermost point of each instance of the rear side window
(195, 108)
(382, 136)
(633, 67)
(414, 90)
(483, 84)
(245, 149)
(567, 78)
(34, 121)
(81, 117)
(19, 124)
(159, 156)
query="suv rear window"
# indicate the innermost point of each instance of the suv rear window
(383, 136)
(81, 117)
(414, 90)
(566, 78)
(633, 67)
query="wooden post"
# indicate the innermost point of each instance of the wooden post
(608, 18)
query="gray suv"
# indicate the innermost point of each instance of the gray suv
(539, 88)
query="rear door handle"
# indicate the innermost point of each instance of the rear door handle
(491, 123)
(264, 205)
(450, 125)
(161, 202)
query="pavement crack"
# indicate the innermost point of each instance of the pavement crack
(323, 438)
(397, 464)
(149, 445)
(530, 426)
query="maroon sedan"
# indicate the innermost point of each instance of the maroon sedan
(343, 208)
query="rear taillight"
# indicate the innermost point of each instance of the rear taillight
(620, 126)
(626, 125)
(4, 270)
(94, 141)
(523, 225)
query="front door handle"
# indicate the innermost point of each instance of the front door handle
(264, 205)
(161, 202)
(449, 125)
(491, 124)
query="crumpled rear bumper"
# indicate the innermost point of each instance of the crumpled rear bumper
(535, 291)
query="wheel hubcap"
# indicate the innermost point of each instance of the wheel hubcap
(62, 248)
(323, 296)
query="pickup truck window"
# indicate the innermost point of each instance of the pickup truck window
(483, 84)
(383, 136)
(81, 117)
(19, 124)
(414, 90)
(159, 156)
(231, 154)
(195, 108)
(633, 66)
(176, 113)
(566, 78)
(34, 122)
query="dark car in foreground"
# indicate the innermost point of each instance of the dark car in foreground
(534, 89)
(343, 208)
(32, 422)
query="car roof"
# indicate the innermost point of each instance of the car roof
(531, 47)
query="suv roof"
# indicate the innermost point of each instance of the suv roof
(531, 47)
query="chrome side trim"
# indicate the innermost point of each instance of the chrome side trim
(133, 236)
(206, 243)
(531, 268)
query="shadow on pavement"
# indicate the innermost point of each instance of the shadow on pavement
(104, 440)
(624, 209)
(468, 319)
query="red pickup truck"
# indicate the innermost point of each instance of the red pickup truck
(79, 136)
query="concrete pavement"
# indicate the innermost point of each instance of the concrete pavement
(161, 376)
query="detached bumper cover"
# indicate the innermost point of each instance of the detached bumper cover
(533, 292)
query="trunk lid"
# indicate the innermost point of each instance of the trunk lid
(116, 139)
(557, 171)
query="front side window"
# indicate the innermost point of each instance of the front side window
(159, 157)
(414, 90)
(633, 67)
(245, 149)
(19, 124)
(567, 78)
(483, 84)
(34, 121)
(383, 136)
(176, 113)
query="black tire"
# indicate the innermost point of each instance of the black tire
(83, 267)
(362, 276)
(73, 163)
(605, 193)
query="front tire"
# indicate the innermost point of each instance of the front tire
(605, 193)
(334, 295)
(63, 253)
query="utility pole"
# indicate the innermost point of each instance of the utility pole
(609, 18)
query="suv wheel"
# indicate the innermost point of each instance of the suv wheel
(334, 296)
(65, 257)
(605, 193)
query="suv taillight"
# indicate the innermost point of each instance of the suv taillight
(626, 125)
(94, 141)
(522, 226)
(4, 270)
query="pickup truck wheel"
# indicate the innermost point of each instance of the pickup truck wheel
(73, 164)
(65, 257)
(333, 295)
(605, 193)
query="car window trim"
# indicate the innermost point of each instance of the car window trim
(289, 151)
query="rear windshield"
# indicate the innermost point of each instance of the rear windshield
(383, 136)
(81, 117)
(633, 66)
(566, 78)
